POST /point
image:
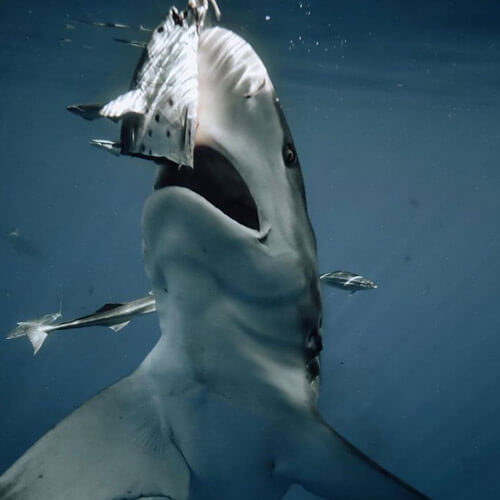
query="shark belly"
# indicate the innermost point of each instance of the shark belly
(231, 414)
(231, 361)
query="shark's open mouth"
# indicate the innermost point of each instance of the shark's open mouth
(216, 179)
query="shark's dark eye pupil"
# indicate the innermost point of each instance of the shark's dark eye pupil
(289, 155)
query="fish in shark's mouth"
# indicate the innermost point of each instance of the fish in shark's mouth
(216, 179)
(225, 405)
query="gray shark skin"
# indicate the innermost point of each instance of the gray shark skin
(224, 406)
(118, 315)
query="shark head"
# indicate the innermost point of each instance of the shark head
(246, 189)
(230, 240)
(228, 219)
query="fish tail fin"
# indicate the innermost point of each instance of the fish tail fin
(36, 331)
(37, 337)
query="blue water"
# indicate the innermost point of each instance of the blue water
(395, 109)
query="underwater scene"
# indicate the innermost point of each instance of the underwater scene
(188, 265)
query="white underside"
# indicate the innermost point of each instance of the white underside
(222, 407)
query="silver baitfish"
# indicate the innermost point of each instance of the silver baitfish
(114, 316)
(346, 280)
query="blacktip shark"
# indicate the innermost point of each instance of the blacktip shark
(225, 405)
(345, 280)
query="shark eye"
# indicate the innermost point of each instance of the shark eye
(289, 155)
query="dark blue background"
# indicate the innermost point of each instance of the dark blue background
(394, 108)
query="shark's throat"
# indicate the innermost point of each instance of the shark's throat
(239, 316)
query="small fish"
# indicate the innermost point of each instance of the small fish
(347, 281)
(20, 244)
(114, 316)
(100, 24)
(14, 234)
(238, 351)
(132, 43)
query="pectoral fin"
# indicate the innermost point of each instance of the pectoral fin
(327, 465)
(118, 327)
(117, 445)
